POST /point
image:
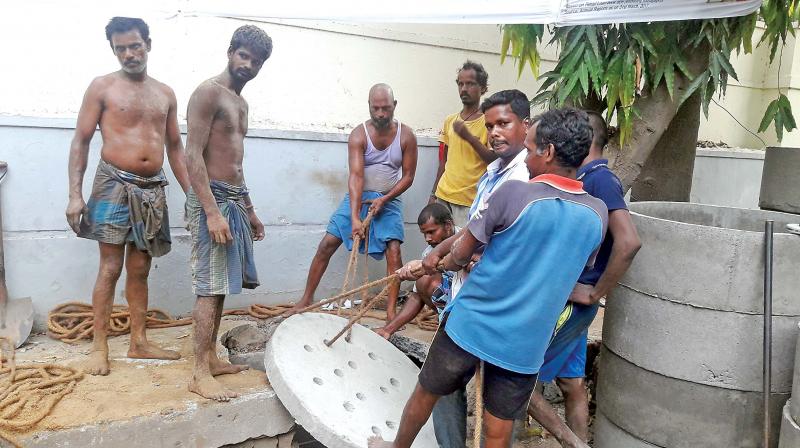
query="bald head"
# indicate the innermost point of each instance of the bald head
(381, 105)
(379, 90)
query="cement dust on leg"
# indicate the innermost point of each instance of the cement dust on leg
(97, 363)
(210, 388)
(149, 350)
(378, 442)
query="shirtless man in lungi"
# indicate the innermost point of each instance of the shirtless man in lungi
(221, 216)
(127, 210)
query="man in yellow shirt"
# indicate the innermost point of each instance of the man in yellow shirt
(464, 153)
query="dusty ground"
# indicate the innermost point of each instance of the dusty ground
(144, 387)
(134, 387)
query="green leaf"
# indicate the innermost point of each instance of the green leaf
(564, 92)
(542, 97)
(769, 115)
(645, 41)
(669, 79)
(583, 73)
(725, 63)
(701, 79)
(572, 59)
(786, 107)
(550, 79)
(779, 124)
(504, 45)
(573, 39)
(680, 62)
(591, 34)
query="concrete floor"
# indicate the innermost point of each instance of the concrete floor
(146, 403)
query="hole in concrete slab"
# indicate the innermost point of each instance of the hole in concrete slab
(376, 430)
(351, 364)
(348, 406)
(390, 424)
(338, 372)
(394, 382)
(308, 348)
(318, 380)
(361, 396)
(372, 356)
(384, 390)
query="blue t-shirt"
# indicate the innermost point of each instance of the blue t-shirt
(539, 237)
(601, 183)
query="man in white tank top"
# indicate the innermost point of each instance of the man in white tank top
(382, 155)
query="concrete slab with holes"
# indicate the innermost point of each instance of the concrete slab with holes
(346, 393)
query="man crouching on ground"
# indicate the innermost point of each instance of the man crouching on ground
(218, 207)
(436, 225)
(127, 211)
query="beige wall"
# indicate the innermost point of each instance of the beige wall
(319, 74)
(316, 79)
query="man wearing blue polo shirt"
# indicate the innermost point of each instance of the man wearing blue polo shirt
(565, 359)
(507, 117)
(539, 236)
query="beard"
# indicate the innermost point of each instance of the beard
(135, 70)
(382, 122)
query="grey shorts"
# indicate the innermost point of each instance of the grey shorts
(449, 368)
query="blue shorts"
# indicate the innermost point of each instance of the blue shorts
(566, 355)
(386, 226)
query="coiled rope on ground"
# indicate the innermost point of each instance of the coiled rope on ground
(29, 392)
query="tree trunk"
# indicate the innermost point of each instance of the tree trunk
(657, 112)
(667, 173)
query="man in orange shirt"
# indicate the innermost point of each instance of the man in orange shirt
(463, 143)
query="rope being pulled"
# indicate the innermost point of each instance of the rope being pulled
(29, 392)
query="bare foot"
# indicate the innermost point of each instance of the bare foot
(220, 367)
(97, 363)
(295, 309)
(378, 442)
(151, 351)
(208, 387)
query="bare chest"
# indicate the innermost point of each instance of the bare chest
(136, 106)
(231, 117)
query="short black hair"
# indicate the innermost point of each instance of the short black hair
(436, 211)
(599, 129)
(125, 24)
(254, 39)
(516, 99)
(570, 133)
(480, 73)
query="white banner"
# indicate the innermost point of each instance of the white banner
(559, 12)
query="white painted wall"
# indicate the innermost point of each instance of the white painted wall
(297, 179)
(303, 104)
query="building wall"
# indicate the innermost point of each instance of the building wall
(309, 95)
(296, 178)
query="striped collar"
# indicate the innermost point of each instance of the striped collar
(560, 182)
